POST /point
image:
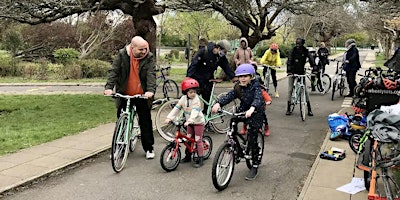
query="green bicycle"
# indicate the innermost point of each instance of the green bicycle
(219, 122)
(126, 133)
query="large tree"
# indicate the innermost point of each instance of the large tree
(256, 19)
(41, 11)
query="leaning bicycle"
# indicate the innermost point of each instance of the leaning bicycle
(126, 133)
(219, 122)
(339, 80)
(169, 88)
(299, 95)
(232, 151)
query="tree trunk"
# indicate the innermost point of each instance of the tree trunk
(146, 28)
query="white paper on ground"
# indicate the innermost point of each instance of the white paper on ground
(356, 185)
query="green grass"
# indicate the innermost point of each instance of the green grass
(9, 79)
(379, 60)
(28, 120)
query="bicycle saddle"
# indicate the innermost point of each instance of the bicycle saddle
(215, 80)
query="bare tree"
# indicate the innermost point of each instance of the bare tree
(256, 19)
(41, 11)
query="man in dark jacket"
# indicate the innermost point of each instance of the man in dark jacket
(295, 65)
(322, 54)
(351, 60)
(204, 64)
(133, 73)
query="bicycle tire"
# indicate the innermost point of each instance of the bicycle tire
(324, 85)
(207, 146)
(342, 86)
(260, 142)
(267, 79)
(221, 124)
(333, 89)
(135, 129)
(170, 89)
(119, 151)
(354, 141)
(169, 162)
(294, 101)
(166, 131)
(223, 166)
(365, 161)
(386, 184)
(303, 104)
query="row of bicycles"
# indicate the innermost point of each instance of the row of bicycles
(378, 152)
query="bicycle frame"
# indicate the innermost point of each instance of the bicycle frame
(298, 83)
(208, 117)
(131, 115)
(161, 78)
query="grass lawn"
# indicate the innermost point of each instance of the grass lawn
(28, 120)
(379, 60)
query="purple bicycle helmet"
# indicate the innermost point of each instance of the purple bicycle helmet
(245, 69)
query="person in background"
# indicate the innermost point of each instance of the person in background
(323, 54)
(243, 54)
(132, 73)
(272, 58)
(192, 106)
(351, 61)
(204, 64)
(295, 65)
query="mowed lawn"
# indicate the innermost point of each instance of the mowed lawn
(28, 120)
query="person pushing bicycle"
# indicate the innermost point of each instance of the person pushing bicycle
(192, 107)
(272, 58)
(133, 73)
(295, 65)
(248, 90)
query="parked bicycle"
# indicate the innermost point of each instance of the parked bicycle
(232, 151)
(318, 80)
(339, 80)
(169, 88)
(126, 133)
(299, 95)
(171, 154)
(219, 122)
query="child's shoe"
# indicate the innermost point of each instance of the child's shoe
(267, 133)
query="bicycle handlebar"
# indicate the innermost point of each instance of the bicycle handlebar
(163, 68)
(118, 95)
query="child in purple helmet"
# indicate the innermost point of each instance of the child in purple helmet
(248, 90)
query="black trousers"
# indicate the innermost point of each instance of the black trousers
(273, 75)
(351, 80)
(143, 111)
(205, 92)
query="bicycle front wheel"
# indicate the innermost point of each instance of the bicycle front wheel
(166, 131)
(303, 103)
(334, 86)
(223, 166)
(324, 84)
(170, 89)
(354, 141)
(260, 144)
(170, 159)
(267, 79)
(119, 150)
(221, 124)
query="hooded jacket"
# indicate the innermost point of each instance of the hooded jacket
(243, 54)
(297, 60)
(205, 62)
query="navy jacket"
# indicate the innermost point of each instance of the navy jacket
(354, 60)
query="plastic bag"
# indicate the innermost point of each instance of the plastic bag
(338, 125)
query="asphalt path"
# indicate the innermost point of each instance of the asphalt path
(289, 154)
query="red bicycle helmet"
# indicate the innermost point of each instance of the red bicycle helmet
(274, 46)
(189, 83)
(358, 110)
(389, 84)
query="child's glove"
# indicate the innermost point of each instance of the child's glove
(167, 121)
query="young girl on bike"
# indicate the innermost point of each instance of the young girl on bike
(192, 107)
(272, 58)
(251, 102)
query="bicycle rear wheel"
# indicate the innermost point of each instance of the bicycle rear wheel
(342, 86)
(170, 89)
(325, 84)
(119, 150)
(170, 160)
(260, 143)
(354, 141)
(223, 166)
(221, 124)
(303, 103)
(334, 86)
(267, 79)
(166, 131)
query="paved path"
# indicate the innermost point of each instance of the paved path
(29, 164)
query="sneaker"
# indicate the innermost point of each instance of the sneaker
(150, 154)
(252, 174)
(276, 95)
(267, 133)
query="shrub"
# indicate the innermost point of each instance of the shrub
(9, 65)
(92, 68)
(66, 55)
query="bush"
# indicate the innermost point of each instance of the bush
(66, 55)
(92, 68)
(8, 65)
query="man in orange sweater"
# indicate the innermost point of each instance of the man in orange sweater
(133, 73)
